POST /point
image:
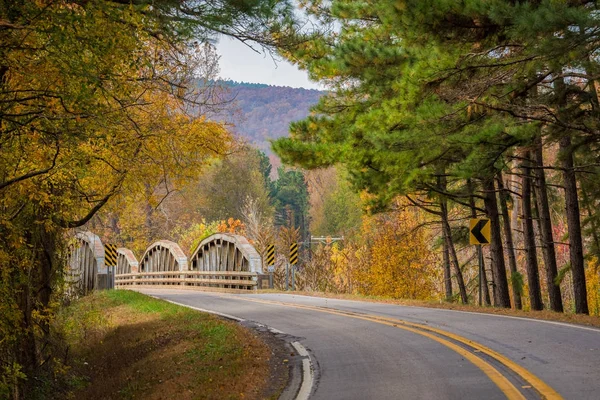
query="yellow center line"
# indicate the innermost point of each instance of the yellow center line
(500, 380)
(543, 388)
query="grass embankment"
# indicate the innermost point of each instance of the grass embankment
(547, 315)
(125, 345)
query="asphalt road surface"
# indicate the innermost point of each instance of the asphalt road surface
(364, 350)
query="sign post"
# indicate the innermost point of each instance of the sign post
(271, 263)
(293, 277)
(293, 261)
(479, 234)
(481, 272)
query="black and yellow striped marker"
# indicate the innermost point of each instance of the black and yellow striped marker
(294, 253)
(271, 254)
(110, 255)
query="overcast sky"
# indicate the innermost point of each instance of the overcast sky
(242, 64)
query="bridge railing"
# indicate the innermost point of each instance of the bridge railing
(228, 280)
(221, 262)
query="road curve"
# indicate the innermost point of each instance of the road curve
(365, 350)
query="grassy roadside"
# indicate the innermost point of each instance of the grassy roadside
(125, 345)
(546, 315)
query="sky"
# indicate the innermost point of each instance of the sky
(242, 64)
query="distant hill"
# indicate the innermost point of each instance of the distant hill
(260, 112)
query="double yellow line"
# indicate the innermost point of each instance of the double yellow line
(449, 340)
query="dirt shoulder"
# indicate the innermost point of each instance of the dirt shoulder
(546, 315)
(125, 345)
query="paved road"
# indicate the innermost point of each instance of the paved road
(364, 350)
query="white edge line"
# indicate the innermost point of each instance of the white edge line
(270, 329)
(300, 349)
(543, 321)
(433, 309)
(307, 372)
(203, 310)
(565, 324)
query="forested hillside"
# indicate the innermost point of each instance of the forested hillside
(260, 112)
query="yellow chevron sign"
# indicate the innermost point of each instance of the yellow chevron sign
(479, 231)
(294, 253)
(110, 255)
(271, 255)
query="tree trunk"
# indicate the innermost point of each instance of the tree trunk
(34, 296)
(26, 351)
(459, 277)
(574, 226)
(533, 277)
(571, 207)
(114, 225)
(450, 244)
(485, 288)
(485, 284)
(447, 273)
(545, 228)
(515, 215)
(594, 222)
(447, 268)
(148, 211)
(510, 248)
(501, 295)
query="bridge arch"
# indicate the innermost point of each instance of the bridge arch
(86, 262)
(126, 262)
(163, 255)
(226, 252)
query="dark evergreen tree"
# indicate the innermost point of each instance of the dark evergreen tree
(455, 85)
(291, 200)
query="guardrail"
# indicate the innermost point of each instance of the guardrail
(230, 280)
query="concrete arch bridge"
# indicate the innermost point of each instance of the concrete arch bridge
(222, 262)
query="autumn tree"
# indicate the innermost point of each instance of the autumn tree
(401, 262)
(335, 209)
(225, 187)
(391, 256)
(259, 226)
(92, 94)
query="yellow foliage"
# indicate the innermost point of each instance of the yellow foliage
(401, 262)
(188, 239)
(349, 266)
(592, 279)
(390, 258)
